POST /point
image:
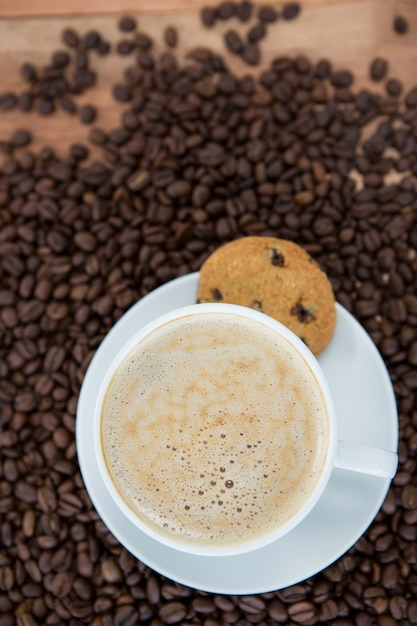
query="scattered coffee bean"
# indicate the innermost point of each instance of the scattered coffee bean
(171, 36)
(393, 87)
(103, 48)
(29, 73)
(92, 39)
(400, 25)
(233, 42)
(378, 69)
(267, 14)
(244, 10)
(87, 114)
(60, 59)
(342, 78)
(67, 104)
(70, 38)
(127, 24)
(143, 41)
(124, 47)
(411, 98)
(256, 33)
(45, 107)
(251, 54)
(8, 101)
(226, 10)
(21, 138)
(122, 93)
(208, 16)
(291, 10)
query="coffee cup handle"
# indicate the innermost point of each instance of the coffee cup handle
(365, 459)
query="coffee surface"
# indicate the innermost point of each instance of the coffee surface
(214, 430)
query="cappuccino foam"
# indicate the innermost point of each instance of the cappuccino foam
(214, 429)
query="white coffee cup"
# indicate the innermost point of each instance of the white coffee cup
(147, 448)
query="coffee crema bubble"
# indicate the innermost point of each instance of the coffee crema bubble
(214, 429)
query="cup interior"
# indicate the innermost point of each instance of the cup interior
(208, 549)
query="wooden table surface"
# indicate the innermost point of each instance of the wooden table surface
(351, 33)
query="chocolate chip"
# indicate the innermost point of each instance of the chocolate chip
(277, 258)
(303, 314)
(216, 294)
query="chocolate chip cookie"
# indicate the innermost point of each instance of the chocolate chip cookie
(277, 277)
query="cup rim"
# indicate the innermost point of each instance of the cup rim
(242, 547)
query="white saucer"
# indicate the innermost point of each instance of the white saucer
(367, 414)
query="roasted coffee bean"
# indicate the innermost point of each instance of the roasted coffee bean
(233, 42)
(251, 54)
(267, 14)
(400, 24)
(67, 104)
(244, 10)
(143, 41)
(70, 38)
(393, 87)
(342, 78)
(256, 33)
(92, 39)
(172, 612)
(124, 47)
(290, 10)
(60, 59)
(127, 24)
(87, 114)
(411, 98)
(25, 101)
(20, 138)
(45, 107)
(171, 36)
(226, 10)
(8, 101)
(378, 69)
(208, 16)
(103, 48)
(29, 72)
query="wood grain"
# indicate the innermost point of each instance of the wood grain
(350, 33)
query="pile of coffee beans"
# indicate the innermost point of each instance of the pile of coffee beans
(202, 156)
(247, 48)
(68, 74)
